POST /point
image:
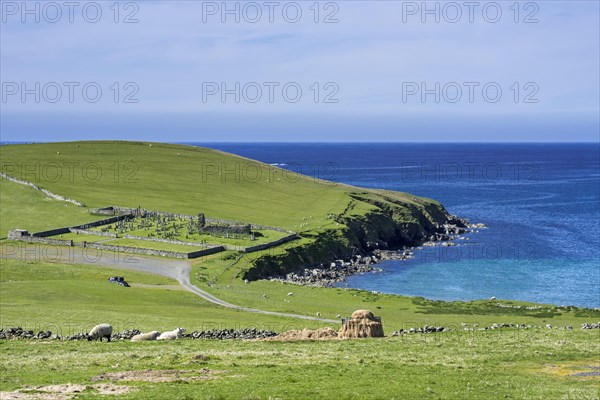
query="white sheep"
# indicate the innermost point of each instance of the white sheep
(171, 335)
(100, 331)
(146, 336)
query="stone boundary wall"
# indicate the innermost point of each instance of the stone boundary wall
(200, 253)
(45, 240)
(45, 191)
(52, 232)
(123, 249)
(159, 240)
(84, 227)
(271, 244)
(113, 210)
(271, 228)
(151, 252)
(101, 222)
(94, 233)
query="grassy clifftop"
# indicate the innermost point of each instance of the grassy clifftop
(333, 219)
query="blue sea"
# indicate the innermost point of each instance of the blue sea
(541, 203)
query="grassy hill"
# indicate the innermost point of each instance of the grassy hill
(175, 178)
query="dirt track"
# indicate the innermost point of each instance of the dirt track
(175, 269)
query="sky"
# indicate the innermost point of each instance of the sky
(203, 71)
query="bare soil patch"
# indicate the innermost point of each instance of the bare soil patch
(159, 375)
(65, 391)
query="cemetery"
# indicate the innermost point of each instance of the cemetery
(160, 233)
(191, 229)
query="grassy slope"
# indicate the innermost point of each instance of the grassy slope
(72, 298)
(26, 208)
(178, 179)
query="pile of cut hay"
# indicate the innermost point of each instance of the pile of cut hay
(363, 323)
(306, 334)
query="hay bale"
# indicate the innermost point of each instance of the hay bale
(362, 314)
(363, 323)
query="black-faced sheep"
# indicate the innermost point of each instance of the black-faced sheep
(100, 331)
(171, 335)
(146, 336)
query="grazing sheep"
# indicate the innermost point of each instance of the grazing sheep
(146, 336)
(100, 331)
(171, 335)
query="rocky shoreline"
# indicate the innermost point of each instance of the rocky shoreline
(339, 270)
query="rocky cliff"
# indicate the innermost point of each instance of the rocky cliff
(391, 223)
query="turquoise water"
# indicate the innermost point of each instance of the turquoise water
(541, 203)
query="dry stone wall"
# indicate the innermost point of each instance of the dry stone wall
(45, 191)
(94, 233)
(171, 241)
(52, 232)
(271, 244)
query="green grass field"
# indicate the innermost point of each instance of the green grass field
(491, 365)
(66, 299)
(45, 295)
